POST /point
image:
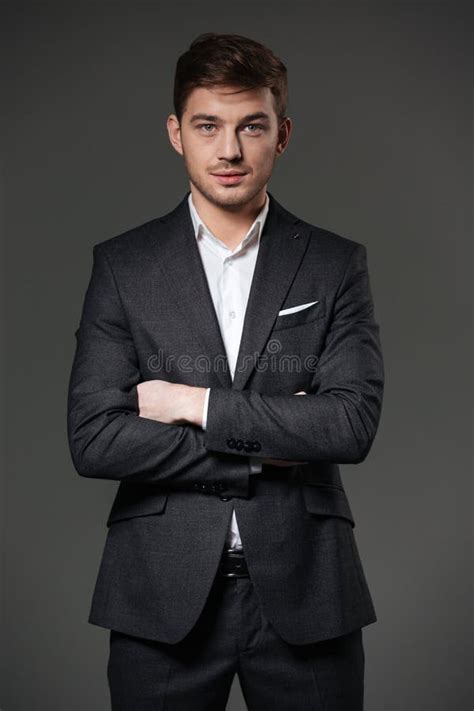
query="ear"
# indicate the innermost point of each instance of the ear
(284, 132)
(174, 133)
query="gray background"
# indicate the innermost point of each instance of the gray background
(381, 153)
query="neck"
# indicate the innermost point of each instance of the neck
(229, 224)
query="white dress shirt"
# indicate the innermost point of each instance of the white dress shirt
(229, 276)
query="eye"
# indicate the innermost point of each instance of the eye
(201, 125)
(257, 126)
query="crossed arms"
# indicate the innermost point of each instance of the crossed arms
(109, 439)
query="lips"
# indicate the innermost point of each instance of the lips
(229, 178)
(235, 172)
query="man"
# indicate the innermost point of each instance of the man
(227, 361)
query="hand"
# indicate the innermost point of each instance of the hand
(171, 403)
(284, 462)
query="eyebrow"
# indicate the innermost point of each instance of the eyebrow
(216, 119)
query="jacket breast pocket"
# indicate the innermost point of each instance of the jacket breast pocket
(327, 500)
(300, 318)
(133, 500)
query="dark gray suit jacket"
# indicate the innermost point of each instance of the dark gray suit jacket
(148, 313)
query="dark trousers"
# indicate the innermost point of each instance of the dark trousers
(233, 636)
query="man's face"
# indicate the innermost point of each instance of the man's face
(227, 129)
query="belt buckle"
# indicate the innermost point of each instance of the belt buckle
(233, 564)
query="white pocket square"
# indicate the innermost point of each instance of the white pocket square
(293, 309)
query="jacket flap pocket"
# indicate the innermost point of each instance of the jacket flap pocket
(327, 500)
(134, 500)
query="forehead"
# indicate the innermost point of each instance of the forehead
(229, 101)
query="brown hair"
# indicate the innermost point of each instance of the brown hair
(228, 59)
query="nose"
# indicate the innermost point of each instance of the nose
(229, 148)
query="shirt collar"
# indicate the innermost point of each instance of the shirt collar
(255, 228)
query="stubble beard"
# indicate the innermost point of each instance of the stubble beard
(230, 197)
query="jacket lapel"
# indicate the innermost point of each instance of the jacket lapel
(280, 253)
(282, 244)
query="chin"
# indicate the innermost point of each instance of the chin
(232, 194)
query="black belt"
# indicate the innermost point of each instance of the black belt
(233, 564)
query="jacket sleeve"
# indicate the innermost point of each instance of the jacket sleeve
(337, 420)
(255, 463)
(107, 437)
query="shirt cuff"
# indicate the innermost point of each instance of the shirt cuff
(255, 465)
(204, 411)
